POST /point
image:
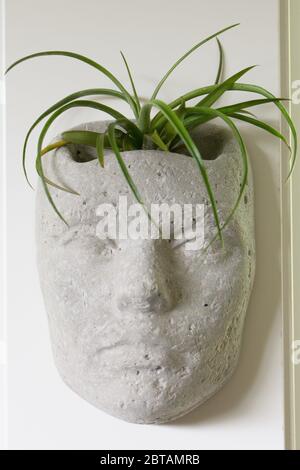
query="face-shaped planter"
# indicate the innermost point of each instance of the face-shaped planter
(141, 329)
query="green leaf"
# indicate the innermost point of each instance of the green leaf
(131, 184)
(244, 111)
(44, 179)
(88, 61)
(193, 121)
(162, 81)
(168, 133)
(248, 104)
(221, 62)
(113, 141)
(137, 100)
(133, 132)
(159, 120)
(214, 95)
(125, 142)
(60, 103)
(192, 148)
(87, 138)
(262, 91)
(262, 125)
(100, 148)
(182, 58)
(159, 142)
(81, 137)
(49, 148)
(144, 118)
(216, 113)
(191, 95)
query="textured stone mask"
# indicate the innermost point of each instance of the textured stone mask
(142, 330)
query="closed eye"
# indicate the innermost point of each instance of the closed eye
(187, 234)
(84, 237)
(76, 232)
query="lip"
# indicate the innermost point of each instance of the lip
(131, 357)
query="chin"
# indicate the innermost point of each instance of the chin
(149, 401)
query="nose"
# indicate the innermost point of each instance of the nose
(143, 281)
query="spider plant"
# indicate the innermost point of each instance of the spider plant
(166, 130)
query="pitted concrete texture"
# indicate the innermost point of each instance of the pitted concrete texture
(140, 329)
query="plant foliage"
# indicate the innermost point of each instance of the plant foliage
(169, 127)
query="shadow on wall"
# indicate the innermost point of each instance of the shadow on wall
(265, 298)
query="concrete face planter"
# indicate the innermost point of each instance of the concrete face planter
(143, 331)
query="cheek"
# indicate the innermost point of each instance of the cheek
(212, 286)
(77, 284)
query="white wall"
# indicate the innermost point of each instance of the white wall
(43, 412)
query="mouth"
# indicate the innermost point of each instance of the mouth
(135, 358)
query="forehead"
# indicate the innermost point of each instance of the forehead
(159, 178)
